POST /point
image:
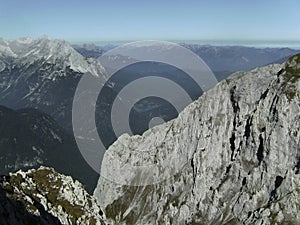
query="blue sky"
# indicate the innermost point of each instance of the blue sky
(96, 20)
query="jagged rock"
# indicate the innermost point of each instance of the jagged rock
(235, 158)
(14, 213)
(26, 51)
(47, 196)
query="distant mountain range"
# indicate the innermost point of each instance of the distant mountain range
(223, 60)
(43, 74)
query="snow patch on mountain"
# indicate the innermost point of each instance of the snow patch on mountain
(28, 51)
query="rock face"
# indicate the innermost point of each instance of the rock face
(235, 158)
(44, 196)
(13, 212)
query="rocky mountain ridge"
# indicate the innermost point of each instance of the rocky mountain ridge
(27, 50)
(235, 158)
(42, 73)
(44, 196)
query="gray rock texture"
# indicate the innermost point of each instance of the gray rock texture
(231, 157)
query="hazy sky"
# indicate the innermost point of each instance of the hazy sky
(133, 20)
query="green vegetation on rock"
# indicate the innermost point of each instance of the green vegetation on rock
(291, 77)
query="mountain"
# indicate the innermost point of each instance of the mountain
(89, 50)
(237, 58)
(26, 51)
(46, 197)
(231, 157)
(30, 138)
(223, 60)
(42, 73)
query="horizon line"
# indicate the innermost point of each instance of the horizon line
(259, 43)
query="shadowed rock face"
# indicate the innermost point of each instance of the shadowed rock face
(13, 212)
(240, 143)
(30, 138)
(44, 196)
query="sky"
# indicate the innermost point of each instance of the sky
(99, 20)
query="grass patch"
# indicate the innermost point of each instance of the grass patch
(291, 76)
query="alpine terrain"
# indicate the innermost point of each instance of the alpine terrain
(42, 73)
(231, 157)
(223, 60)
(46, 197)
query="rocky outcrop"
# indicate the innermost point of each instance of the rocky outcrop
(44, 196)
(13, 212)
(231, 157)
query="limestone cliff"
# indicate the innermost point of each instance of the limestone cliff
(231, 157)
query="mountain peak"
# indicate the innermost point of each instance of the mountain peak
(45, 36)
(54, 51)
